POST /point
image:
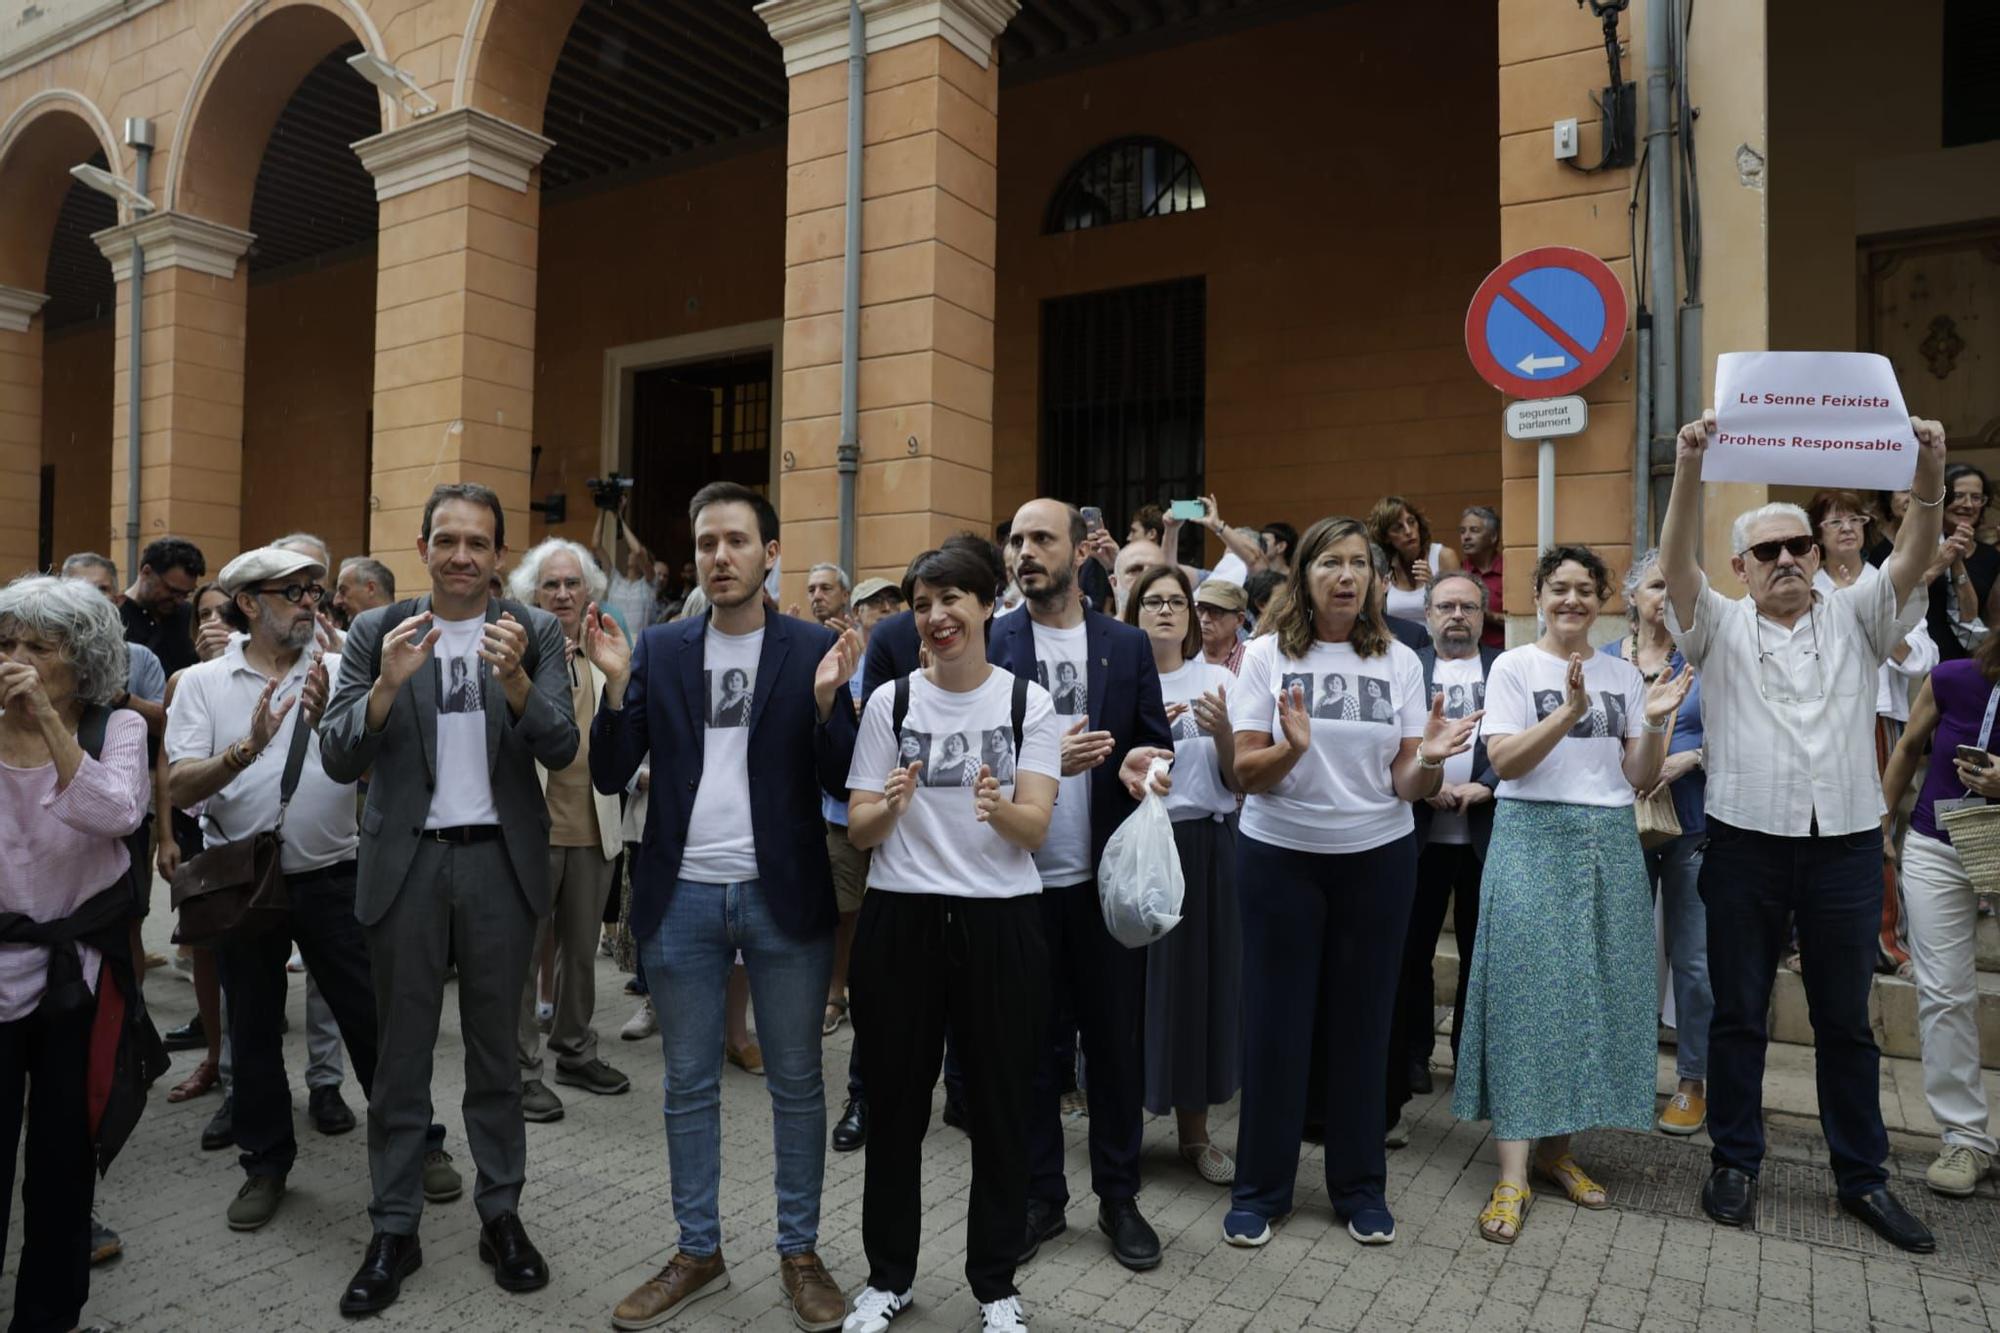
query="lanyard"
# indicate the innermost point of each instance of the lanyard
(1985, 737)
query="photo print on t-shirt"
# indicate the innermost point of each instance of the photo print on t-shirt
(1070, 692)
(728, 697)
(1185, 727)
(996, 751)
(1606, 717)
(1340, 697)
(1461, 700)
(953, 762)
(458, 685)
(912, 746)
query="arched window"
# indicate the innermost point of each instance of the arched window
(1123, 181)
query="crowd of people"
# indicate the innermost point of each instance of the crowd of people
(889, 806)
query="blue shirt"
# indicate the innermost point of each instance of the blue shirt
(146, 679)
(836, 811)
(1687, 791)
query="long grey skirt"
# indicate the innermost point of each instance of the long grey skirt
(1194, 980)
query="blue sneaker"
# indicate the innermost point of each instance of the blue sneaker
(1243, 1228)
(1372, 1226)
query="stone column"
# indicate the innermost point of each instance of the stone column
(191, 391)
(454, 319)
(928, 206)
(20, 431)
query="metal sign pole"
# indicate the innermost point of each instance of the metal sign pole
(1545, 495)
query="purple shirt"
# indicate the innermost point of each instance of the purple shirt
(1961, 691)
(65, 847)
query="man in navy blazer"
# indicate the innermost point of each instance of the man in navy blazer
(733, 857)
(1119, 725)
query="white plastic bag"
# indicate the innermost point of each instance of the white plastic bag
(1139, 886)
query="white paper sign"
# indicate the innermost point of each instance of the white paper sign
(1810, 419)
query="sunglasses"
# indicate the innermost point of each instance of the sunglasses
(1767, 552)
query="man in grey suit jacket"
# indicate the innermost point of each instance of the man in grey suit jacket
(453, 864)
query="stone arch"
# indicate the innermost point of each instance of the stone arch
(509, 56)
(248, 75)
(45, 136)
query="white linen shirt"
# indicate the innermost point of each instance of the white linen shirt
(1788, 715)
(211, 711)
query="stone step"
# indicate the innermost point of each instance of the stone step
(1892, 1007)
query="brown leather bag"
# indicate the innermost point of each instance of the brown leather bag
(237, 891)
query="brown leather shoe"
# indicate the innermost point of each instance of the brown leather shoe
(680, 1284)
(817, 1304)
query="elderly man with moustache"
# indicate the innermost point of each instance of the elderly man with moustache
(1794, 814)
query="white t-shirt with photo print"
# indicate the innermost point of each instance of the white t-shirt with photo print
(1198, 791)
(721, 846)
(1586, 767)
(1062, 667)
(938, 844)
(1339, 797)
(464, 792)
(1462, 683)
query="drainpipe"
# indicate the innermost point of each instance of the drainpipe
(1663, 403)
(849, 454)
(1642, 443)
(139, 135)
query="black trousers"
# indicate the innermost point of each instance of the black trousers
(1757, 887)
(44, 1062)
(923, 963)
(335, 951)
(1447, 873)
(1103, 984)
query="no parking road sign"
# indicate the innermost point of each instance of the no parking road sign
(1546, 322)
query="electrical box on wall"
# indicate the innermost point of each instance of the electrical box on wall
(1565, 139)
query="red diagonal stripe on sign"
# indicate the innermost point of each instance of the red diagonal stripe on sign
(1544, 323)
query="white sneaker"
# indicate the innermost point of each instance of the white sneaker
(642, 1024)
(873, 1309)
(293, 964)
(1002, 1316)
(545, 1015)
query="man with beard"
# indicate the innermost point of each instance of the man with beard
(155, 608)
(363, 585)
(226, 713)
(1453, 828)
(1119, 724)
(733, 857)
(454, 864)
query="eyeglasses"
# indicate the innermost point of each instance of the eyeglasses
(1208, 612)
(1159, 604)
(1456, 608)
(1767, 552)
(1843, 521)
(1775, 679)
(295, 592)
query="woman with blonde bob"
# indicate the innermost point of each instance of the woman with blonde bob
(1326, 871)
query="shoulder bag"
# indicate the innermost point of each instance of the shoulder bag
(237, 891)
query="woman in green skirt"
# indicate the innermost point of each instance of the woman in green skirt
(1560, 1029)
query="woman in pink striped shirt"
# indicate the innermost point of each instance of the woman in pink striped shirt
(63, 818)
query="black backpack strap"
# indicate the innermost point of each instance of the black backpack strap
(90, 732)
(901, 710)
(1020, 712)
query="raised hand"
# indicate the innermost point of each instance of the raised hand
(21, 687)
(407, 648)
(211, 640)
(900, 787)
(1693, 440)
(1084, 750)
(329, 636)
(1664, 696)
(985, 794)
(1293, 719)
(312, 698)
(1930, 436)
(1420, 572)
(840, 663)
(503, 644)
(1175, 711)
(1576, 699)
(1211, 711)
(265, 720)
(604, 644)
(1447, 736)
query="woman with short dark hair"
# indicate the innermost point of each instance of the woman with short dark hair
(950, 934)
(65, 904)
(1560, 1027)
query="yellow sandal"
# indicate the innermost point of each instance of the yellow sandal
(1567, 1176)
(1509, 1205)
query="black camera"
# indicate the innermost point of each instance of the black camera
(609, 492)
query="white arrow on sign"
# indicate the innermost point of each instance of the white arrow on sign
(1531, 363)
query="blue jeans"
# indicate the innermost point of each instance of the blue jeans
(687, 962)
(1676, 871)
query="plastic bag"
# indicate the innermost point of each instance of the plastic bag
(1139, 886)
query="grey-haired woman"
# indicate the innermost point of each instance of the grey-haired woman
(65, 956)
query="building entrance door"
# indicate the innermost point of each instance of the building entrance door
(691, 425)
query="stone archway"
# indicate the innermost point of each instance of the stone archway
(509, 56)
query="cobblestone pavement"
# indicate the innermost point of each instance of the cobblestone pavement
(597, 1203)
